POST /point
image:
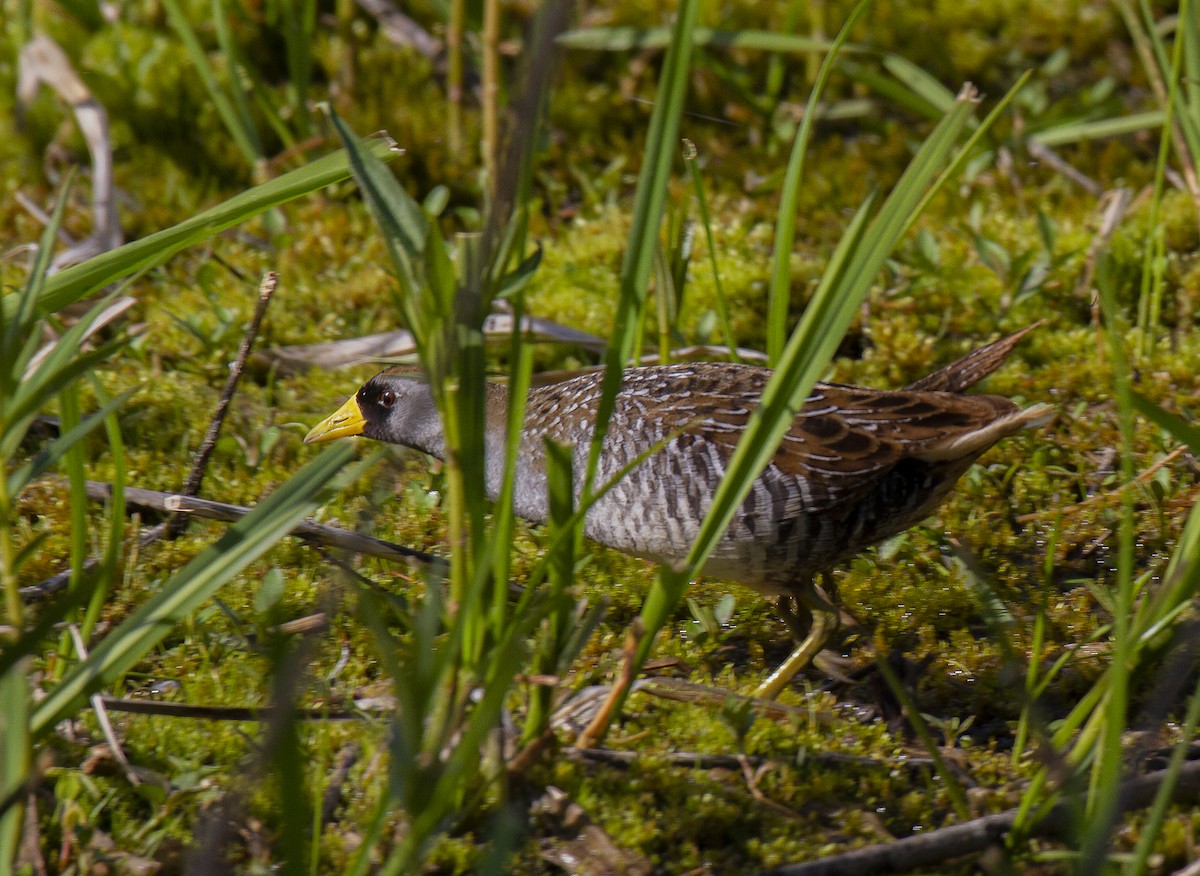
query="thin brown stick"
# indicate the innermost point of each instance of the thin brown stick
(347, 757)
(31, 846)
(204, 452)
(314, 533)
(173, 503)
(929, 849)
(596, 730)
(98, 707)
(1114, 204)
(1141, 478)
(529, 755)
(1047, 156)
(363, 709)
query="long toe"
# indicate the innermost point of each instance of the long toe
(824, 623)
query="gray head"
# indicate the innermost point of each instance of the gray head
(396, 405)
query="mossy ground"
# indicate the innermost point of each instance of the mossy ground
(1039, 511)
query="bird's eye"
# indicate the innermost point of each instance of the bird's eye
(387, 398)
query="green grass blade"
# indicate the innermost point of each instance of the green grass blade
(298, 30)
(1108, 761)
(242, 132)
(1189, 33)
(856, 262)
(238, 69)
(1173, 424)
(968, 148)
(895, 91)
(1080, 132)
(706, 222)
(1181, 580)
(18, 341)
(779, 295)
(954, 788)
(404, 227)
(34, 395)
(1151, 828)
(72, 284)
(77, 501)
(109, 569)
(623, 39)
(15, 761)
(752, 452)
(648, 204)
(50, 455)
(920, 82)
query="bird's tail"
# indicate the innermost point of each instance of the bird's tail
(973, 367)
(974, 443)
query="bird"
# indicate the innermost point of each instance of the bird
(856, 466)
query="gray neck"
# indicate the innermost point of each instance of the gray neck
(424, 432)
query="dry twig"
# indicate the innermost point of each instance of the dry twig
(43, 61)
(266, 288)
(595, 731)
(1141, 478)
(931, 848)
(174, 503)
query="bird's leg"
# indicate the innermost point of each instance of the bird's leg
(822, 615)
(796, 615)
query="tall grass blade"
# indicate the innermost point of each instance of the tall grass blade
(69, 415)
(561, 563)
(242, 131)
(920, 82)
(624, 39)
(298, 31)
(19, 310)
(1109, 761)
(49, 456)
(648, 203)
(73, 283)
(722, 307)
(238, 71)
(109, 568)
(1151, 828)
(15, 762)
(855, 263)
(1069, 133)
(779, 294)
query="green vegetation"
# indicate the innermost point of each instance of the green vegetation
(838, 202)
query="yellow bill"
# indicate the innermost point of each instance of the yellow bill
(342, 423)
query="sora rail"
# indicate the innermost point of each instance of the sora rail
(856, 467)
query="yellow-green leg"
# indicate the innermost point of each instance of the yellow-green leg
(813, 618)
(824, 624)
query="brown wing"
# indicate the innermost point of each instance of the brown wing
(842, 441)
(846, 438)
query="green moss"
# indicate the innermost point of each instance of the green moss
(1038, 512)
